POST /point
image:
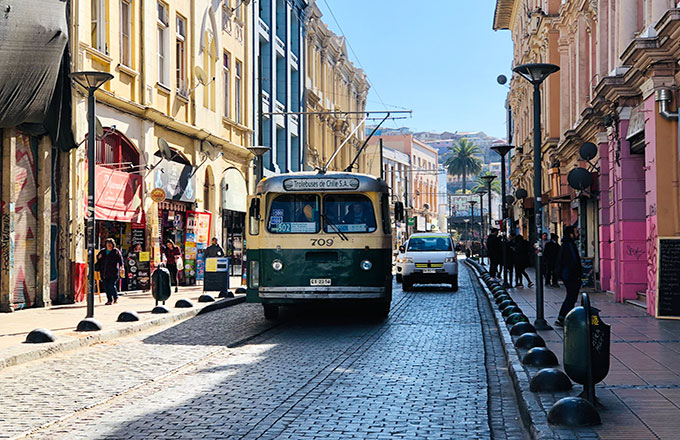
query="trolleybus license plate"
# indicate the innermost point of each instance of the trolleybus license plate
(320, 282)
(429, 271)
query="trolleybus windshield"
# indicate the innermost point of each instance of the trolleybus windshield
(349, 213)
(294, 214)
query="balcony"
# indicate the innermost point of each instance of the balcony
(266, 103)
(280, 108)
(263, 30)
(280, 47)
(294, 61)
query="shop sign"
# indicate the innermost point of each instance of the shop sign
(157, 194)
(177, 180)
(321, 184)
(118, 195)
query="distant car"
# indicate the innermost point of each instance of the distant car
(429, 258)
(400, 262)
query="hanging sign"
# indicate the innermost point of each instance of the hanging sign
(157, 194)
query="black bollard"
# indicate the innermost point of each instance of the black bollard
(516, 318)
(550, 380)
(206, 297)
(184, 304)
(509, 310)
(128, 316)
(522, 327)
(89, 325)
(540, 357)
(574, 412)
(40, 336)
(528, 341)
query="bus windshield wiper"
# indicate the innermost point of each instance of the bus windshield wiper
(335, 228)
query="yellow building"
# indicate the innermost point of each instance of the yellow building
(177, 116)
(333, 84)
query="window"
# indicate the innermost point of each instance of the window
(180, 54)
(125, 31)
(433, 243)
(237, 86)
(98, 25)
(348, 213)
(226, 17)
(237, 10)
(227, 84)
(294, 214)
(162, 43)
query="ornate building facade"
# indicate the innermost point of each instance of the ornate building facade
(617, 83)
(333, 84)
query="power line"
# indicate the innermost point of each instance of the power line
(355, 55)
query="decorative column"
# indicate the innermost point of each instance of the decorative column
(627, 12)
(605, 241)
(44, 221)
(8, 145)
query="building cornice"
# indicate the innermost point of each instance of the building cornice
(502, 18)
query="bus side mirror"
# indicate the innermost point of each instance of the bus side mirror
(255, 208)
(402, 249)
(399, 211)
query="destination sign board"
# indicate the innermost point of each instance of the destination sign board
(321, 184)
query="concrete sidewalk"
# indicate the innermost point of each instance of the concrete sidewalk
(63, 319)
(641, 393)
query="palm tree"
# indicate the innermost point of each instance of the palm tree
(463, 159)
(481, 184)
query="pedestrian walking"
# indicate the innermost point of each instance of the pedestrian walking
(214, 250)
(522, 251)
(173, 261)
(550, 251)
(109, 265)
(570, 270)
(494, 250)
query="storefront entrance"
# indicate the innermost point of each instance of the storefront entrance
(233, 226)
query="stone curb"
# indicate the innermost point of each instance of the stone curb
(534, 417)
(49, 349)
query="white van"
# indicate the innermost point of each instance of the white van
(429, 258)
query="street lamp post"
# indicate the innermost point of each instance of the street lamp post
(502, 150)
(90, 81)
(259, 152)
(488, 179)
(481, 193)
(536, 74)
(472, 218)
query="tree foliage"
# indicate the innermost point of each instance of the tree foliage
(463, 159)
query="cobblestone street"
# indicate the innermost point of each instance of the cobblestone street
(314, 374)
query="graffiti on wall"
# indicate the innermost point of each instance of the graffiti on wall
(54, 229)
(25, 222)
(652, 263)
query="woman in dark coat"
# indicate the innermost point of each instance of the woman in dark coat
(172, 253)
(109, 264)
(522, 255)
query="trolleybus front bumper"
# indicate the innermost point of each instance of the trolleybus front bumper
(326, 292)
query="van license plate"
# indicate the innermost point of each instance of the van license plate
(430, 271)
(320, 282)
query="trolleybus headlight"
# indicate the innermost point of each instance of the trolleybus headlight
(277, 265)
(366, 265)
(450, 260)
(408, 260)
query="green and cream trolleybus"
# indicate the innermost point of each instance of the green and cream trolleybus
(319, 237)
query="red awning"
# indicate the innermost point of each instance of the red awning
(118, 195)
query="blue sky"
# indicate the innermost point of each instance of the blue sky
(439, 58)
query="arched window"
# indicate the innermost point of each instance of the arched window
(115, 151)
